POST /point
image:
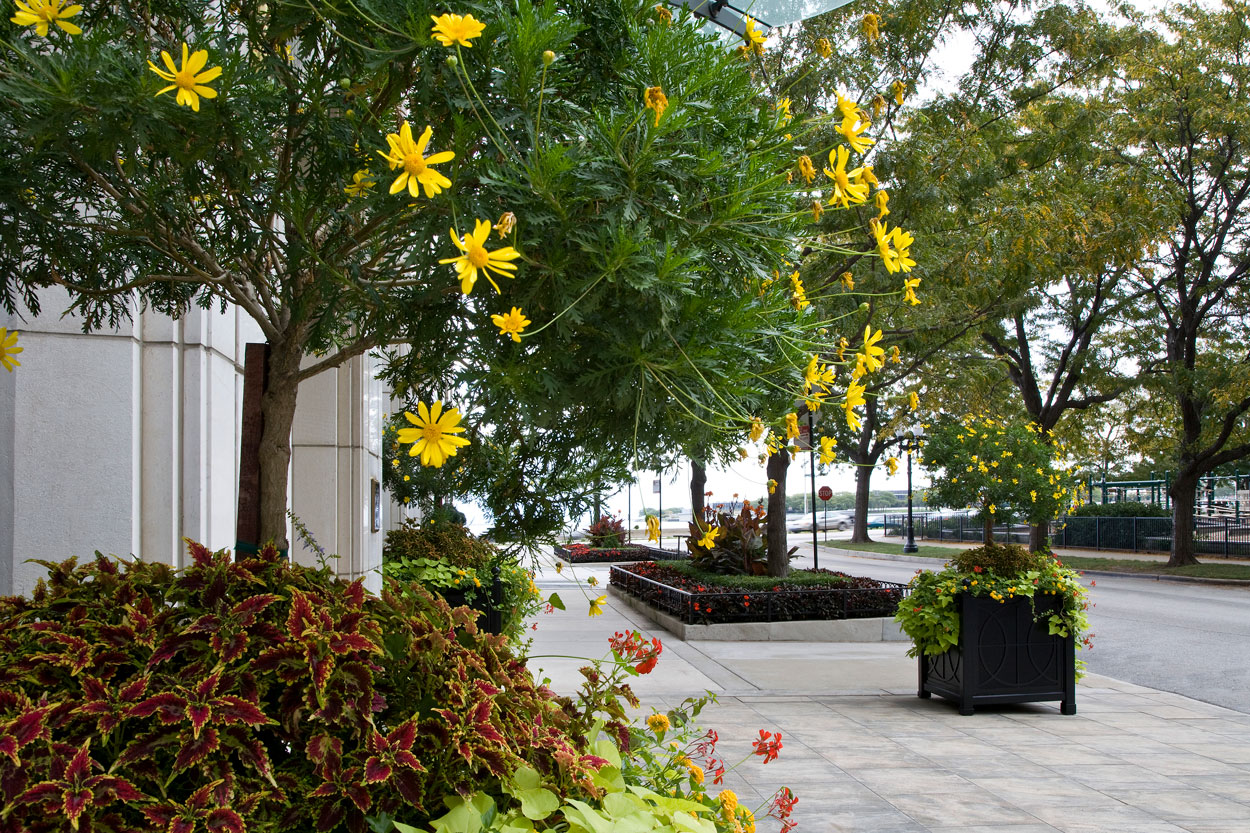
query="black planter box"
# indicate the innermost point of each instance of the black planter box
(1003, 656)
(488, 601)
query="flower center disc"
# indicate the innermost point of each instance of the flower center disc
(184, 79)
(431, 433)
(414, 164)
(478, 255)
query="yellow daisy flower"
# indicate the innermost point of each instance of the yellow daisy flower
(847, 189)
(361, 183)
(433, 436)
(511, 324)
(410, 156)
(596, 606)
(41, 13)
(452, 29)
(827, 451)
(9, 349)
(188, 80)
(476, 257)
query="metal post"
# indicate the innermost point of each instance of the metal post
(811, 450)
(910, 546)
(629, 513)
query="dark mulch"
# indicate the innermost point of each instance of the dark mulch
(586, 554)
(822, 594)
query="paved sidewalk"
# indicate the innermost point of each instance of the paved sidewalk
(863, 753)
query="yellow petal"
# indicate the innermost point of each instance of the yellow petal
(208, 75)
(424, 140)
(198, 60)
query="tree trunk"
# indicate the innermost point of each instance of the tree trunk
(778, 557)
(1183, 491)
(278, 409)
(863, 485)
(987, 527)
(1039, 537)
(698, 485)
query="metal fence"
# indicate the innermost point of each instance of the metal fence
(1212, 536)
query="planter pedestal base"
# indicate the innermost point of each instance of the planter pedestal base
(1003, 656)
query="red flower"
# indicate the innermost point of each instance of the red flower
(783, 805)
(766, 747)
(977, 569)
(707, 745)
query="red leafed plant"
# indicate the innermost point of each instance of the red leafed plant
(253, 694)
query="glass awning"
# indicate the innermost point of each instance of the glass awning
(767, 13)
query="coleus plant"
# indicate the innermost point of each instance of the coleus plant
(255, 694)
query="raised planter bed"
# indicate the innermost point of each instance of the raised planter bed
(1003, 656)
(586, 554)
(691, 603)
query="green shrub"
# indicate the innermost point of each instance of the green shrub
(1123, 509)
(445, 556)
(254, 694)
(1000, 559)
(930, 615)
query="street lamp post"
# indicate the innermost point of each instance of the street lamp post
(909, 437)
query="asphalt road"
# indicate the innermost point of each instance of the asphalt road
(1188, 638)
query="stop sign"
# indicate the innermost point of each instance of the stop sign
(825, 493)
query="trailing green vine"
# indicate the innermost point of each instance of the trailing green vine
(930, 615)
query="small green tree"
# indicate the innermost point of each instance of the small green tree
(1000, 469)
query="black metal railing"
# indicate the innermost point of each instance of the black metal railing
(761, 605)
(1212, 536)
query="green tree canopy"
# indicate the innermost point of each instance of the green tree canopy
(1002, 470)
(645, 170)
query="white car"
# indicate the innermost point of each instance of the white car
(840, 519)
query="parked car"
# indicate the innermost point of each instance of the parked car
(840, 519)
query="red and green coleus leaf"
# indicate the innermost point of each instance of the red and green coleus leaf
(110, 707)
(206, 806)
(75, 654)
(346, 784)
(196, 749)
(21, 730)
(76, 789)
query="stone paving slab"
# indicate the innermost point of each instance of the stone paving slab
(863, 753)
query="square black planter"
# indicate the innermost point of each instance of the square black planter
(1003, 656)
(489, 603)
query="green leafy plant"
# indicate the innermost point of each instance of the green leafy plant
(251, 693)
(930, 615)
(738, 546)
(647, 775)
(608, 531)
(443, 556)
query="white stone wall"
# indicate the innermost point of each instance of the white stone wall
(336, 445)
(126, 442)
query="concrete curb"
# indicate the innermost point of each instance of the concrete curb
(916, 559)
(880, 629)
